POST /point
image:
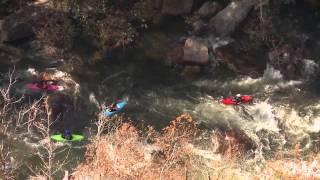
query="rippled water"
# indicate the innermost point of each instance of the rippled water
(284, 112)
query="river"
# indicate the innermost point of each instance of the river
(284, 113)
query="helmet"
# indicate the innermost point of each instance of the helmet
(67, 132)
(238, 95)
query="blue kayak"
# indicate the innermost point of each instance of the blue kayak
(120, 105)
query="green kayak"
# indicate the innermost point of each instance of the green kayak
(59, 138)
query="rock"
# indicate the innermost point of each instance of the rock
(190, 71)
(9, 54)
(199, 27)
(195, 51)
(52, 27)
(252, 63)
(176, 7)
(314, 3)
(227, 20)
(175, 56)
(15, 31)
(288, 61)
(216, 42)
(291, 71)
(209, 9)
(157, 4)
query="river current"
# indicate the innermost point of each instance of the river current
(284, 112)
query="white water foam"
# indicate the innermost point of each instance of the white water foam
(310, 68)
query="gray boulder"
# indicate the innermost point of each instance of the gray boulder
(9, 55)
(199, 27)
(13, 31)
(227, 20)
(176, 7)
(195, 51)
(251, 62)
(209, 9)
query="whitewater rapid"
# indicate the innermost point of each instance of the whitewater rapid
(279, 117)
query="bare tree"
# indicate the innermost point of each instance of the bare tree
(48, 150)
(7, 167)
(107, 124)
(8, 103)
(15, 115)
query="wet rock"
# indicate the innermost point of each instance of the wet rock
(209, 9)
(9, 54)
(196, 51)
(199, 27)
(291, 71)
(315, 3)
(50, 26)
(157, 4)
(176, 7)
(190, 71)
(176, 55)
(14, 31)
(215, 42)
(227, 20)
(59, 104)
(288, 61)
(312, 45)
(252, 63)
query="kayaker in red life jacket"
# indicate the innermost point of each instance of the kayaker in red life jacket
(237, 98)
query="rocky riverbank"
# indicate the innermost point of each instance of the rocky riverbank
(241, 35)
(245, 36)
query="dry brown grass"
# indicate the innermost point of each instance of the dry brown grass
(174, 153)
(126, 154)
(129, 153)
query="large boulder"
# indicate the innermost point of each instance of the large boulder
(251, 62)
(9, 55)
(176, 7)
(209, 9)
(227, 20)
(190, 71)
(175, 55)
(50, 26)
(13, 31)
(315, 3)
(199, 27)
(196, 51)
(288, 61)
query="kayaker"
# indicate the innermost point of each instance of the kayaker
(237, 98)
(113, 107)
(67, 135)
(51, 82)
(42, 84)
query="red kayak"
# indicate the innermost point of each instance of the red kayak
(232, 101)
(35, 86)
